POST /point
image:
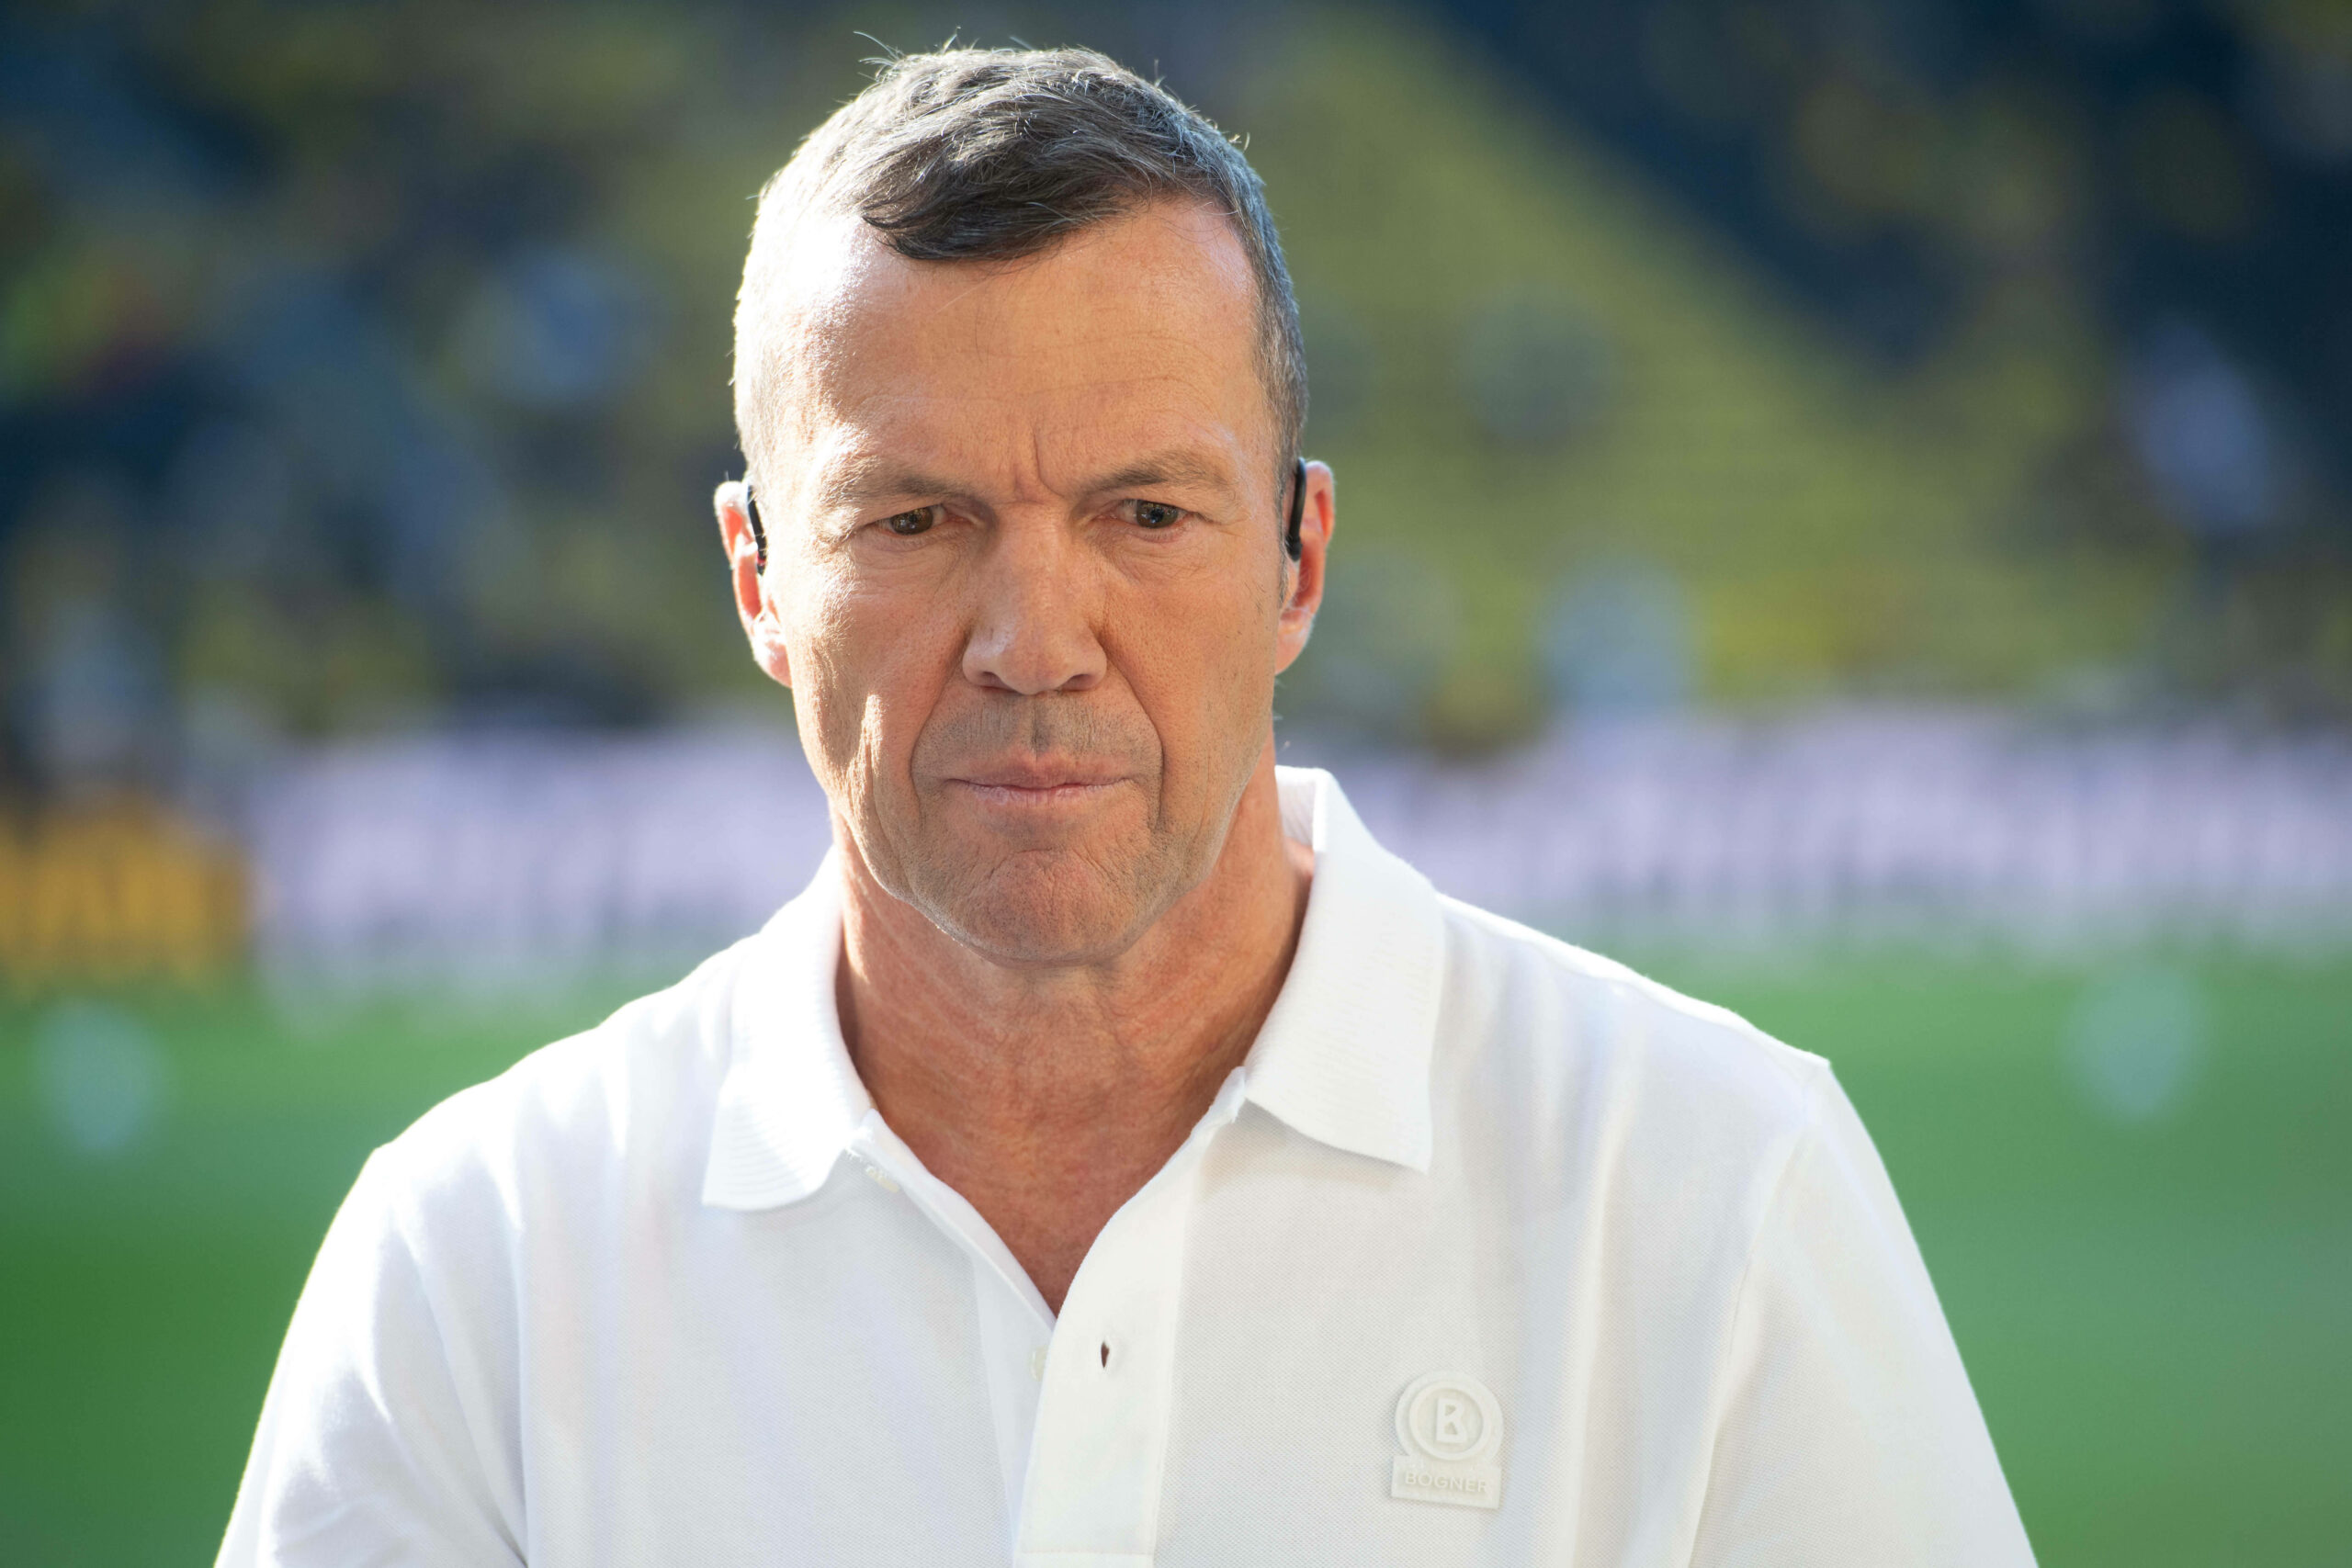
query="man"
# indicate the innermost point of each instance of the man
(1114, 1157)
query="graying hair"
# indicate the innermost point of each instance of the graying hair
(989, 154)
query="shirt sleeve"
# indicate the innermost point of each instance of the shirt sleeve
(370, 1450)
(1848, 1435)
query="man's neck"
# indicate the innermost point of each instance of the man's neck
(1048, 1097)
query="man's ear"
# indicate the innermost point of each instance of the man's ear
(1306, 575)
(741, 538)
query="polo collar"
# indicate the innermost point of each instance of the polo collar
(791, 1100)
(1343, 1056)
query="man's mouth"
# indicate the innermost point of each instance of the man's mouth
(1039, 782)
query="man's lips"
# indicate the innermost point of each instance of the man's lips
(1025, 795)
(1038, 783)
(1042, 773)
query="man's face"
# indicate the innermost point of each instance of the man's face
(1026, 579)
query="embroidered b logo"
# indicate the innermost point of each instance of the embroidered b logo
(1450, 1429)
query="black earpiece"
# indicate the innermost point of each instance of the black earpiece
(1297, 510)
(759, 534)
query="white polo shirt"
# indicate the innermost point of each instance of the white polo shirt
(1490, 1252)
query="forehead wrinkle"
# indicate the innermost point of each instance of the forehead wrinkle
(871, 421)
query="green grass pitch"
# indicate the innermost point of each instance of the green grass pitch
(2157, 1313)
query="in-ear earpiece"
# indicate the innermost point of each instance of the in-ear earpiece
(759, 534)
(1297, 510)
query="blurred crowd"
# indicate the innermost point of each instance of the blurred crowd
(363, 366)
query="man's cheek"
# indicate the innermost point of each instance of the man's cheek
(885, 699)
(834, 710)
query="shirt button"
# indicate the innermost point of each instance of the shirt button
(881, 1180)
(1037, 1363)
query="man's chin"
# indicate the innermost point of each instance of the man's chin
(1051, 908)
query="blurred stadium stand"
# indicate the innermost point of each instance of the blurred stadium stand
(362, 374)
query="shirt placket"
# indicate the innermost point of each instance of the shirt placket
(1082, 1403)
(1099, 1450)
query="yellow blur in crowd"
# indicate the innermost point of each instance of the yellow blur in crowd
(121, 889)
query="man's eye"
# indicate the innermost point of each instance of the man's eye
(1156, 514)
(907, 524)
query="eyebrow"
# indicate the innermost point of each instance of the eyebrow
(862, 481)
(1161, 469)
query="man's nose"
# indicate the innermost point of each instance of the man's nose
(1033, 631)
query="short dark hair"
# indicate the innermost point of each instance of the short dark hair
(975, 154)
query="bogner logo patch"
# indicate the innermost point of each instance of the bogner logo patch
(1450, 1429)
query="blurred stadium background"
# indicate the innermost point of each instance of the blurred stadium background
(1845, 505)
